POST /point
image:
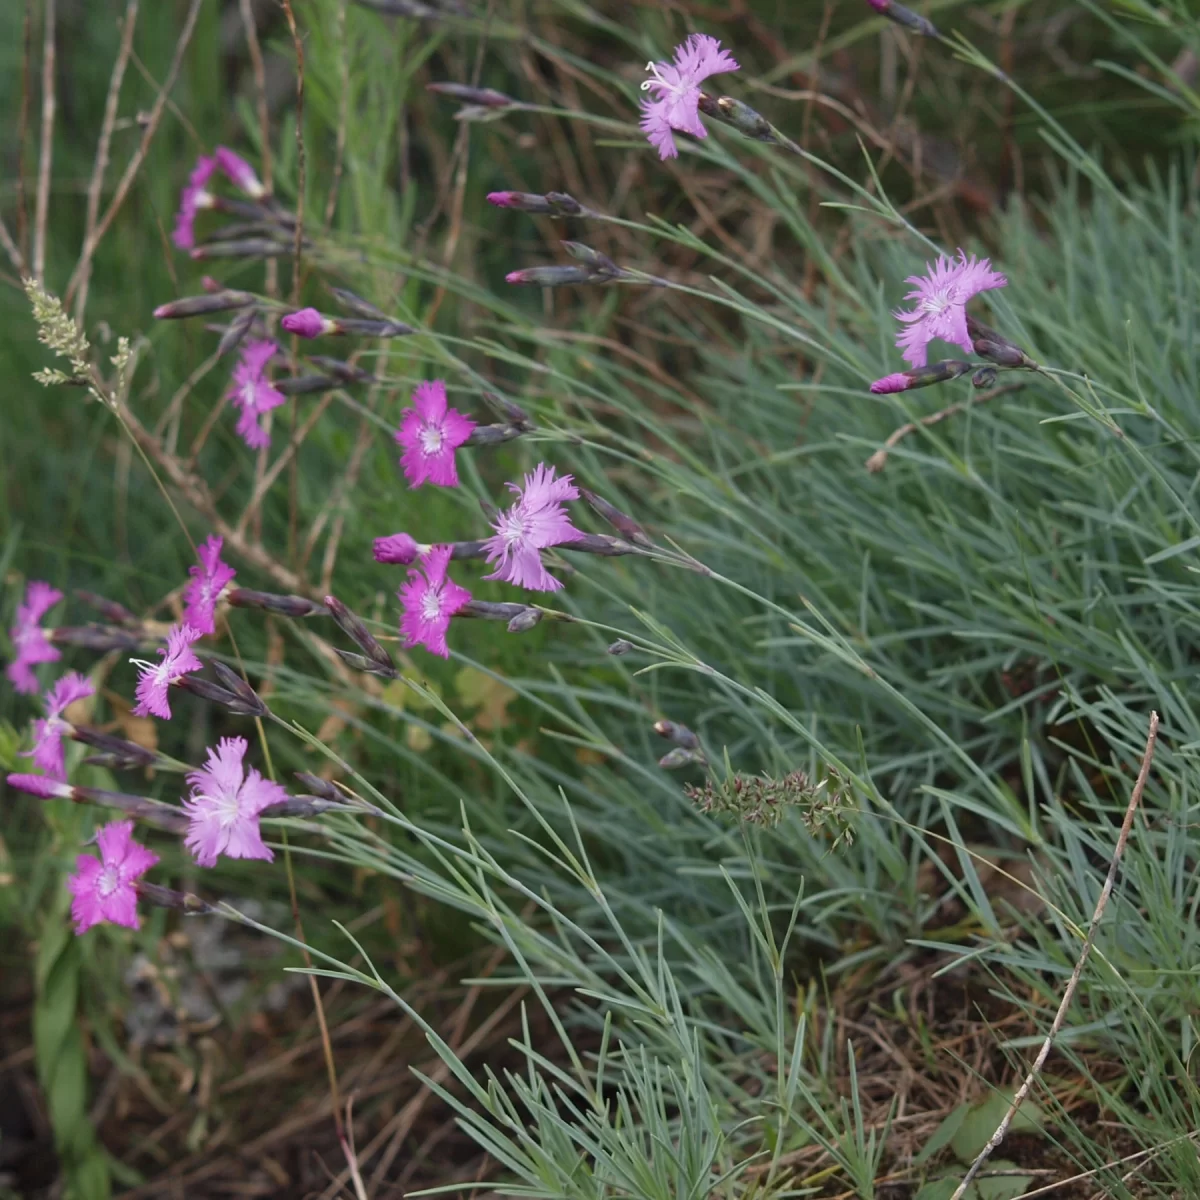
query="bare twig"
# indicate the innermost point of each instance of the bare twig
(41, 208)
(878, 460)
(1059, 1017)
(339, 151)
(11, 249)
(139, 155)
(102, 147)
(23, 130)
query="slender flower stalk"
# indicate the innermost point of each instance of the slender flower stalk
(429, 434)
(225, 804)
(48, 732)
(430, 599)
(29, 639)
(104, 888)
(674, 91)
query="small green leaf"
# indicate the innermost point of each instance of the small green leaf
(1007, 1187)
(939, 1189)
(984, 1118)
(943, 1134)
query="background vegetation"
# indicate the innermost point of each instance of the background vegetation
(657, 1001)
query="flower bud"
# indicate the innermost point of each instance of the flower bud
(493, 435)
(553, 276)
(620, 647)
(95, 637)
(485, 97)
(552, 204)
(625, 525)
(487, 610)
(593, 258)
(307, 323)
(357, 305)
(195, 306)
(368, 665)
(918, 377)
(118, 614)
(286, 606)
(241, 248)
(984, 377)
(353, 627)
(187, 903)
(681, 757)
(240, 688)
(236, 330)
(240, 173)
(115, 752)
(319, 787)
(523, 622)
(387, 328)
(748, 122)
(681, 735)
(215, 694)
(507, 411)
(398, 548)
(905, 17)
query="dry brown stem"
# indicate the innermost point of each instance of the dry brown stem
(1069, 993)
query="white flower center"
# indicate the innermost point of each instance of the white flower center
(224, 807)
(431, 439)
(431, 605)
(248, 394)
(108, 881)
(937, 304)
(514, 528)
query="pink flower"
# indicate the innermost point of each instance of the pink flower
(177, 661)
(40, 785)
(536, 522)
(209, 579)
(224, 806)
(398, 548)
(253, 394)
(307, 323)
(240, 173)
(29, 639)
(104, 888)
(192, 199)
(430, 432)
(47, 752)
(675, 91)
(941, 309)
(430, 600)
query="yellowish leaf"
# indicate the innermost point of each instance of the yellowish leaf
(489, 695)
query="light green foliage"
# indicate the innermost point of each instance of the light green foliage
(970, 639)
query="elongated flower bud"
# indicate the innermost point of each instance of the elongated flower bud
(241, 248)
(346, 372)
(358, 327)
(680, 756)
(187, 903)
(984, 377)
(742, 117)
(236, 330)
(492, 435)
(152, 812)
(552, 204)
(593, 258)
(996, 348)
(114, 751)
(287, 606)
(307, 323)
(918, 377)
(357, 305)
(625, 525)
(95, 637)
(216, 694)
(681, 735)
(555, 276)
(303, 385)
(320, 787)
(195, 306)
(485, 97)
(486, 610)
(118, 614)
(507, 411)
(398, 548)
(905, 17)
(353, 627)
(231, 680)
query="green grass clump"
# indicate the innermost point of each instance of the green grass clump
(958, 646)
